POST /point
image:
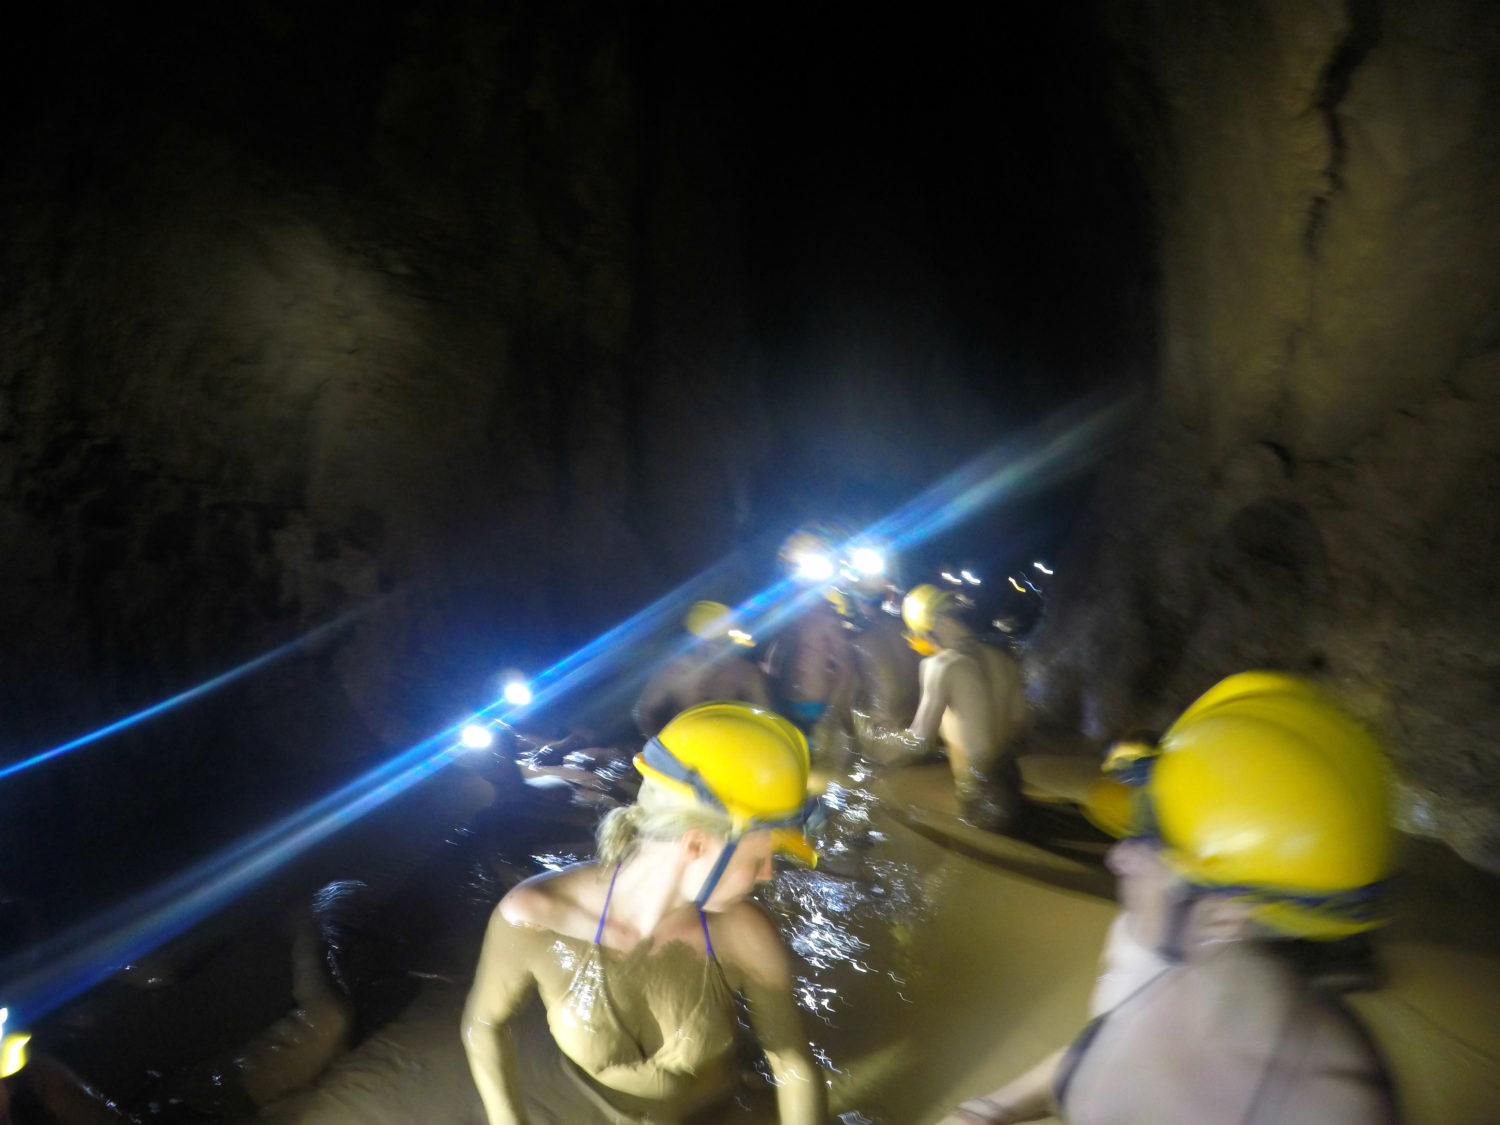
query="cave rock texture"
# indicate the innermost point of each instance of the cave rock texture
(300, 320)
(1318, 486)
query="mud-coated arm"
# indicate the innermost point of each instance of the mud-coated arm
(889, 745)
(1027, 1098)
(501, 984)
(762, 972)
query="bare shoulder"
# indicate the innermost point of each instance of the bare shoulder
(1344, 1080)
(747, 940)
(560, 901)
(1343, 1043)
(952, 663)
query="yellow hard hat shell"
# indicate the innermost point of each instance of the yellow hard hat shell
(753, 761)
(708, 620)
(12, 1053)
(921, 606)
(1264, 783)
(1109, 806)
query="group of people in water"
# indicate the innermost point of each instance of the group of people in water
(1260, 820)
(847, 674)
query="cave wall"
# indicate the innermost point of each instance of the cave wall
(286, 337)
(1317, 484)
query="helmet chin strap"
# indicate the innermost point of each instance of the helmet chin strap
(718, 871)
(1183, 899)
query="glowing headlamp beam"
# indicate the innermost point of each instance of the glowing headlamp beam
(192, 693)
(83, 956)
(813, 566)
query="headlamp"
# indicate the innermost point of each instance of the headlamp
(477, 736)
(813, 566)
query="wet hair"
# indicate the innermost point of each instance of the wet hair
(659, 813)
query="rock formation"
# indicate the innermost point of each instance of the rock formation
(1318, 483)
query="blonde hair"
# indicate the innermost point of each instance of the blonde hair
(659, 813)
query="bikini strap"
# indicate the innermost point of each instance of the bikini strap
(708, 941)
(599, 933)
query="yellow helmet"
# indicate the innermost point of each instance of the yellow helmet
(919, 609)
(1109, 805)
(12, 1047)
(749, 763)
(1265, 787)
(708, 620)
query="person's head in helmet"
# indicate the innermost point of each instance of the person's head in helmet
(810, 555)
(1263, 812)
(724, 788)
(659, 918)
(868, 566)
(938, 617)
(715, 621)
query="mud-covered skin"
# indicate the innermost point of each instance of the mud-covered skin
(1203, 1023)
(973, 706)
(667, 1025)
(290, 1053)
(708, 671)
(659, 993)
(1236, 1014)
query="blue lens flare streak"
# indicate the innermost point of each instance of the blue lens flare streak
(87, 954)
(221, 680)
(80, 958)
(1068, 443)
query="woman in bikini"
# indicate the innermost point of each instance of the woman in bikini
(637, 958)
(1263, 815)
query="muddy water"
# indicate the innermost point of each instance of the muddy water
(923, 960)
(937, 961)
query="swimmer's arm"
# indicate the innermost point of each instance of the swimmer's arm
(501, 983)
(935, 693)
(886, 744)
(892, 746)
(763, 972)
(1027, 1098)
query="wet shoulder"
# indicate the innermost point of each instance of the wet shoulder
(1343, 1045)
(749, 946)
(952, 662)
(1339, 1077)
(565, 902)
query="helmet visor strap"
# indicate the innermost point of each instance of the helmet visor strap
(718, 871)
(1180, 905)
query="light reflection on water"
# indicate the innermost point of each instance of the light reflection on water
(556, 861)
(849, 927)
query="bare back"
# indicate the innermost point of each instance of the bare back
(1261, 1050)
(971, 699)
(814, 659)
